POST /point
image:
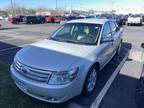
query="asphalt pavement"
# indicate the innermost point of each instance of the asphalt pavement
(122, 92)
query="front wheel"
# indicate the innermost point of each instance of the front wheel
(90, 81)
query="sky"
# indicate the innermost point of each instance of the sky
(76, 4)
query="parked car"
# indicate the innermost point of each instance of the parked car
(80, 17)
(111, 16)
(122, 20)
(135, 20)
(90, 16)
(70, 18)
(10, 19)
(57, 19)
(17, 19)
(40, 19)
(48, 19)
(34, 20)
(67, 64)
(66, 19)
(1, 18)
(143, 18)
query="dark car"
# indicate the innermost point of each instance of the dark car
(71, 18)
(80, 17)
(143, 17)
(40, 19)
(111, 16)
(34, 20)
(122, 19)
(17, 19)
(90, 16)
(64, 18)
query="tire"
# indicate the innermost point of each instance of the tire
(119, 49)
(93, 72)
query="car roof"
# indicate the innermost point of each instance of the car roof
(90, 20)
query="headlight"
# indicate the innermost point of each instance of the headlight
(63, 77)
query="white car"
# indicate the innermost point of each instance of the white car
(135, 20)
(66, 65)
(1, 18)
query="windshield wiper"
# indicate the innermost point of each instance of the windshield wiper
(55, 39)
(69, 41)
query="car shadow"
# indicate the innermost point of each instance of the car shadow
(9, 28)
(7, 52)
(121, 94)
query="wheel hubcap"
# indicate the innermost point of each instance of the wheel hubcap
(92, 80)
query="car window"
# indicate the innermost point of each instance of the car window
(81, 33)
(65, 31)
(113, 27)
(106, 29)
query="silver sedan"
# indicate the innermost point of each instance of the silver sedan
(66, 64)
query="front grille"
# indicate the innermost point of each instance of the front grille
(32, 73)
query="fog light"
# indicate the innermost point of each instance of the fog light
(49, 98)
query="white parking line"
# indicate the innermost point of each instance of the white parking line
(99, 98)
(15, 47)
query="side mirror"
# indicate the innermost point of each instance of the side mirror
(107, 39)
(117, 29)
(142, 45)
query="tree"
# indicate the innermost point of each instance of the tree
(15, 9)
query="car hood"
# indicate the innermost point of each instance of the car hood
(52, 55)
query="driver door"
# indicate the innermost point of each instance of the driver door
(106, 47)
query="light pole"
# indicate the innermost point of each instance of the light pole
(56, 8)
(112, 5)
(65, 5)
(56, 4)
(12, 8)
(71, 7)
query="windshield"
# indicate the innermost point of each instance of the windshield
(79, 33)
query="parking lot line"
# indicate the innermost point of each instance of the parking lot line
(106, 87)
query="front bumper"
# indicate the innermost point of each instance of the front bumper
(43, 91)
(134, 22)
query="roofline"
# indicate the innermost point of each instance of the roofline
(102, 21)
